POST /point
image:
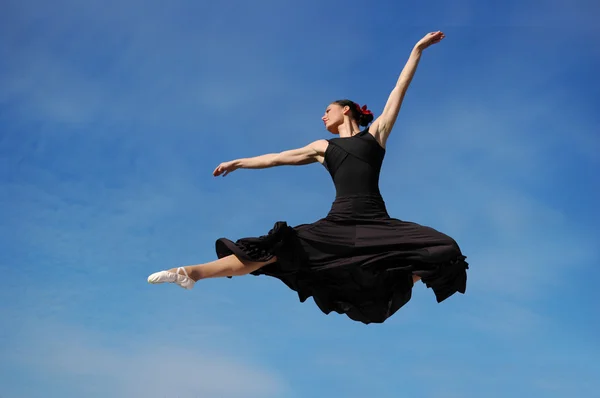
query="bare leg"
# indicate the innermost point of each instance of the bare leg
(226, 266)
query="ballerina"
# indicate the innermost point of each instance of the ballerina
(357, 260)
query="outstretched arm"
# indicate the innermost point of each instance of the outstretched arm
(386, 121)
(313, 152)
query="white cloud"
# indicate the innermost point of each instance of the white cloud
(122, 365)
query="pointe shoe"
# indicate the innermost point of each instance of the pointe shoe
(183, 281)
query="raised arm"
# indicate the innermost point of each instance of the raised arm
(385, 122)
(313, 152)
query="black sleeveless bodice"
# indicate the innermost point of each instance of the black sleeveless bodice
(355, 164)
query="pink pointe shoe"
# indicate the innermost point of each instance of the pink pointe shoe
(183, 281)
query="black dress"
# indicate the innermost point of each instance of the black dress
(357, 260)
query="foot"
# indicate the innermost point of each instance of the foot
(173, 276)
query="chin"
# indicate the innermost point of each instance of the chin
(332, 129)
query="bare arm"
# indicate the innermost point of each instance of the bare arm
(311, 153)
(386, 121)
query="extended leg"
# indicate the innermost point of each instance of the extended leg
(187, 276)
(226, 266)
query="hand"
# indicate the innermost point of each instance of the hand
(429, 39)
(226, 168)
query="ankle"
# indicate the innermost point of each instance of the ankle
(190, 271)
(193, 273)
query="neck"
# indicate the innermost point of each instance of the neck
(348, 128)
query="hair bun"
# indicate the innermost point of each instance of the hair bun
(365, 119)
(365, 115)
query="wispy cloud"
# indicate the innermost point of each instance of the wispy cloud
(119, 365)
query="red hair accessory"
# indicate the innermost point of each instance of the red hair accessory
(363, 110)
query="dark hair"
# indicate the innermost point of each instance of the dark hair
(363, 116)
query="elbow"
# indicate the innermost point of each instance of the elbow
(296, 157)
(402, 86)
(278, 159)
(290, 160)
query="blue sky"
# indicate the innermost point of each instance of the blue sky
(114, 114)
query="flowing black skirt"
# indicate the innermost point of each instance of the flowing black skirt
(356, 261)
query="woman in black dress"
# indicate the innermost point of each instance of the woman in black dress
(357, 260)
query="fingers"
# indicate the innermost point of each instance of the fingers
(221, 169)
(435, 37)
(431, 38)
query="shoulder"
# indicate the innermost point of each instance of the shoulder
(376, 131)
(319, 145)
